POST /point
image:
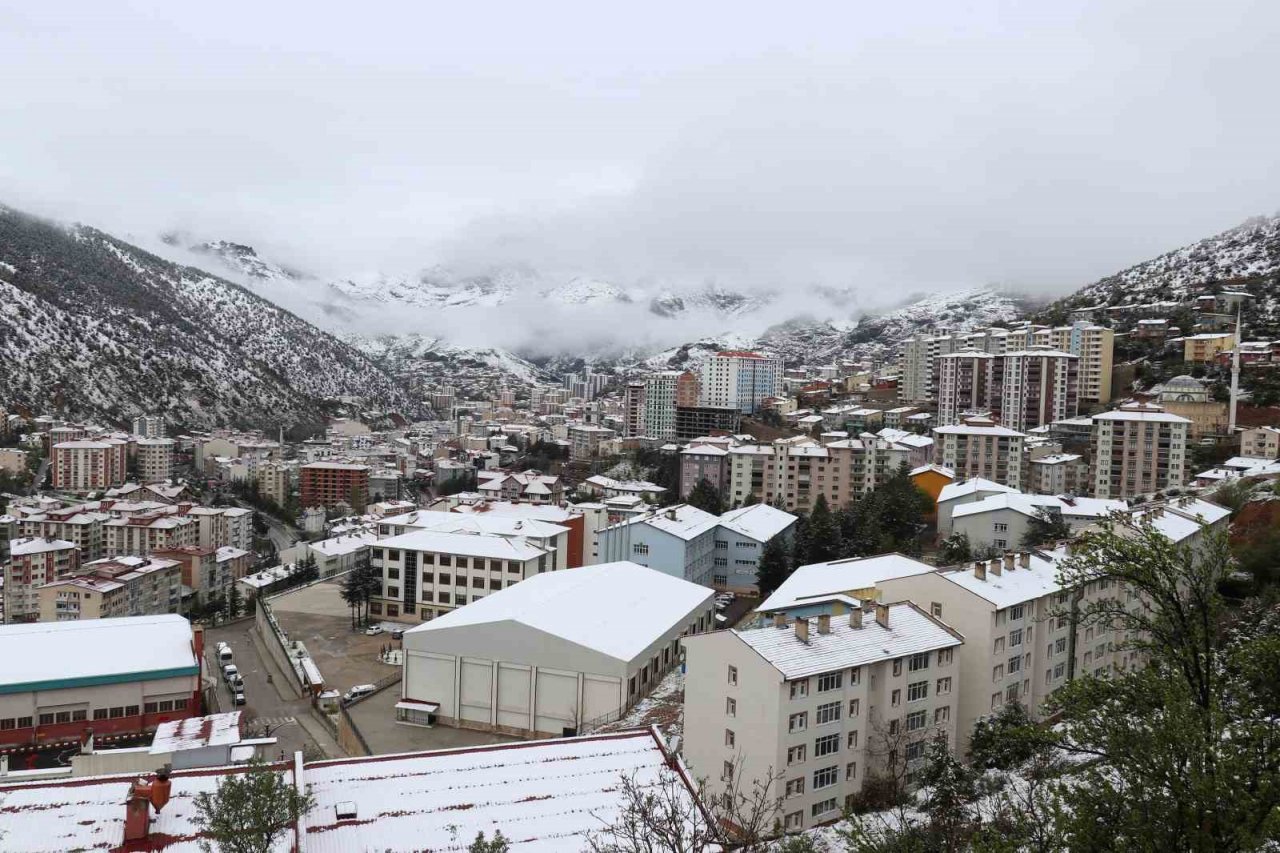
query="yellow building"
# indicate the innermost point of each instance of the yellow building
(1205, 347)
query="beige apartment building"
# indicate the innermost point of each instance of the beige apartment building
(829, 702)
(33, 563)
(74, 524)
(103, 589)
(1138, 449)
(980, 448)
(1095, 346)
(1205, 347)
(154, 459)
(799, 470)
(1261, 442)
(83, 465)
(963, 384)
(142, 534)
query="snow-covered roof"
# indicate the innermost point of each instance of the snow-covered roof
(681, 520)
(128, 648)
(197, 732)
(636, 486)
(1146, 416)
(1029, 505)
(839, 576)
(37, 545)
(951, 491)
(466, 544)
(618, 609)
(937, 469)
(910, 631)
(346, 544)
(228, 552)
(1182, 518)
(1013, 586)
(751, 449)
(483, 523)
(705, 450)
(761, 522)
(978, 429)
(546, 795)
(1057, 459)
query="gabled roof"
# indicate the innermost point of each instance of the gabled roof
(617, 609)
(681, 520)
(466, 544)
(1030, 505)
(951, 491)
(760, 522)
(1012, 586)
(839, 576)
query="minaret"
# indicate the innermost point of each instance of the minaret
(1235, 376)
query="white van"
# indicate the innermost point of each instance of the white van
(358, 692)
(225, 655)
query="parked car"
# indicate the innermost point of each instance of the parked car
(230, 672)
(374, 630)
(358, 692)
(239, 696)
(225, 655)
(397, 634)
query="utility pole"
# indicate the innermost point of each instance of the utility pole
(1235, 375)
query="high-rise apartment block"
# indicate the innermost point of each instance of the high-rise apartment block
(978, 447)
(1138, 449)
(83, 465)
(633, 410)
(154, 458)
(739, 379)
(148, 426)
(1035, 387)
(963, 384)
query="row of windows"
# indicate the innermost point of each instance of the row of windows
(79, 715)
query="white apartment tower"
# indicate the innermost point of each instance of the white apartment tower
(148, 426)
(736, 379)
(828, 701)
(660, 404)
(918, 357)
(1138, 449)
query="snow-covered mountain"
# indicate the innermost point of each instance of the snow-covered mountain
(92, 326)
(1245, 257)
(435, 361)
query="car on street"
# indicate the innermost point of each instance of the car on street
(374, 630)
(358, 692)
(397, 634)
(239, 696)
(230, 672)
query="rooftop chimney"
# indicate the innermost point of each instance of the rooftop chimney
(145, 794)
(855, 617)
(1024, 559)
(979, 570)
(1008, 561)
(882, 615)
(802, 630)
(824, 623)
(994, 567)
(779, 620)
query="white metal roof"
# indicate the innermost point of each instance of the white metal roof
(498, 524)
(910, 631)
(1029, 505)
(682, 521)
(761, 522)
(197, 732)
(467, 544)
(618, 609)
(1015, 586)
(37, 545)
(840, 576)
(951, 491)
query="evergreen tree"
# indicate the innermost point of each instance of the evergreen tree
(1045, 527)
(950, 791)
(235, 601)
(955, 549)
(351, 592)
(751, 499)
(497, 844)
(706, 497)
(774, 566)
(823, 533)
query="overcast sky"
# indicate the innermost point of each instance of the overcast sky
(880, 146)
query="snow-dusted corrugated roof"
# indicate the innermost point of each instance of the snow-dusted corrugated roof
(466, 544)
(1013, 586)
(951, 491)
(618, 609)
(474, 522)
(37, 545)
(1153, 417)
(761, 522)
(840, 576)
(681, 520)
(93, 648)
(197, 732)
(910, 631)
(1029, 505)
(971, 429)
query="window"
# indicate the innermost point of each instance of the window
(915, 751)
(800, 688)
(795, 820)
(795, 787)
(1015, 612)
(1011, 695)
(830, 681)
(729, 737)
(166, 705)
(827, 805)
(855, 675)
(117, 712)
(733, 675)
(853, 740)
(851, 771)
(897, 667)
(428, 577)
(640, 548)
(730, 706)
(917, 691)
(1059, 670)
(796, 754)
(828, 713)
(997, 672)
(1000, 544)
(1015, 637)
(1000, 527)
(720, 562)
(99, 713)
(935, 608)
(1015, 663)
(8, 723)
(445, 560)
(150, 707)
(917, 720)
(895, 698)
(826, 777)
(179, 704)
(998, 647)
(445, 579)
(943, 687)
(24, 722)
(995, 701)
(798, 722)
(826, 745)
(893, 727)
(1060, 645)
(944, 656)
(726, 772)
(915, 663)
(46, 719)
(942, 715)
(854, 707)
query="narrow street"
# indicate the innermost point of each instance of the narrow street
(268, 704)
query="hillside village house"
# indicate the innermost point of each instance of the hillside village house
(828, 701)
(552, 655)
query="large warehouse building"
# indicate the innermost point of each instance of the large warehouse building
(550, 654)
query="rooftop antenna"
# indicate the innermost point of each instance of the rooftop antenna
(1235, 375)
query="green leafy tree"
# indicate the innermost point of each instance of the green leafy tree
(497, 844)
(774, 566)
(1045, 526)
(889, 518)
(250, 811)
(706, 497)
(1006, 739)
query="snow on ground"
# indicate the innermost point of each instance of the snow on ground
(664, 708)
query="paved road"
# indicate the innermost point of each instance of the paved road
(268, 703)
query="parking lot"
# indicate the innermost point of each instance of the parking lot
(317, 617)
(375, 717)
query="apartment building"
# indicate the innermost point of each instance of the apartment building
(1058, 474)
(1031, 388)
(740, 539)
(1261, 442)
(114, 587)
(75, 524)
(980, 448)
(528, 486)
(837, 586)
(427, 573)
(154, 459)
(695, 421)
(739, 380)
(549, 535)
(148, 532)
(585, 439)
(333, 483)
(800, 470)
(148, 426)
(1094, 345)
(679, 540)
(208, 571)
(963, 384)
(33, 563)
(918, 357)
(747, 466)
(633, 409)
(829, 702)
(1138, 449)
(700, 462)
(1204, 348)
(84, 465)
(663, 391)
(1002, 521)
